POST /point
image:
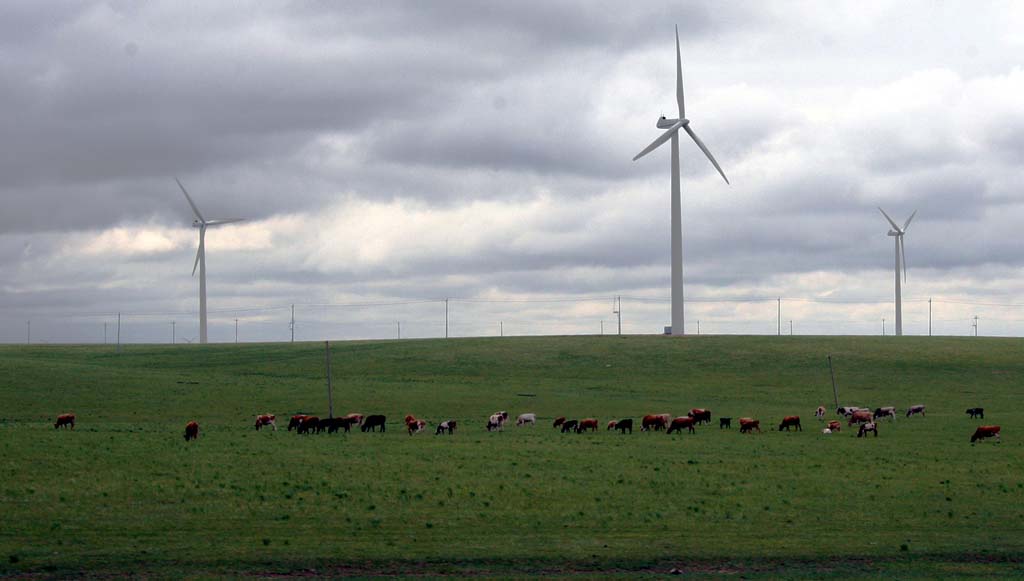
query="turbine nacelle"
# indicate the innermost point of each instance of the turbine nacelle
(664, 123)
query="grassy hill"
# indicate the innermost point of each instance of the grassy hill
(124, 492)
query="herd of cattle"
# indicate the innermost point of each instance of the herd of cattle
(865, 419)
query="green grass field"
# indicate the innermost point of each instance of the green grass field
(124, 493)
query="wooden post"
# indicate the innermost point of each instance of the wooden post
(330, 394)
(835, 391)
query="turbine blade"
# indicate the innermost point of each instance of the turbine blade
(225, 221)
(908, 220)
(903, 259)
(894, 226)
(199, 251)
(190, 202)
(704, 148)
(679, 79)
(657, 142)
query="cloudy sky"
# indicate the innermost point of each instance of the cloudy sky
(389, 155)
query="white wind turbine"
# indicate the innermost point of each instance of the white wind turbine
(901, 259)
(202, 224)
(672, 127)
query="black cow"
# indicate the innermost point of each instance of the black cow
(724, 423)
(624, 425)
(570, 426)
(976, 412)
(371, 422)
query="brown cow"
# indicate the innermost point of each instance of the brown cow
(355, 419)
(65, 421)
(558, 421)
(265, 420)
(191, 431)
(748, 424)
(791, 421)
(296, 421)
(309, 424)
(834, 425)
(860, 417)
(415, 426)
(587, 424)
(985, 432)
(653, 422)
(700, 415)
(680, 423)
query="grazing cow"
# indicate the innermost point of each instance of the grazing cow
(653, 422)
(558, 421)
(495, 423)
(835, 425)
(370, 423)
(586, 424)
(265, 420)
(309, 424)
(191, 431)
(503, 417)
(65, 421)
(847, 410)
(915, 409)
(445, 426)
(355, 419)
(790, 422)
(611, 425)
(416, 426)
(296, 421)
(409, 418)
(700, 415)
(859, 417)
(524, 419)
(976, 412)
(868, 427)
(335, 424)
(985, 432)
(748, 424)
(724, 423)
(622, 425)
(820, 413)
(886, 412)
(570, 426)
(680, 423)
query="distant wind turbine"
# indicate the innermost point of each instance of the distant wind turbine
(672, 127)
(901, 259)
(202, 224)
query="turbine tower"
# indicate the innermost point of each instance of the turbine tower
(901, 259)
(672, 127)
(202, 224)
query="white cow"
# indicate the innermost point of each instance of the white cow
(524, 419)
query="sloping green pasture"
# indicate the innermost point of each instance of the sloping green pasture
(123, 492)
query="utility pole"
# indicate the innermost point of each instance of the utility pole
(236, 331)
(28, 340)
(173, 338)
(698, 326)
(399, 323)
(602, 327)
(779, 319)
(330, 391)
(975, 325)
(119, 332)
(292, 324)
(929, 316)
(832, 372)
(791, 327)
(445, 318)
(501, 328)
(104, 333)
(883, 326)
(618, 311)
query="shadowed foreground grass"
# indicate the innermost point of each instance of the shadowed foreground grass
(124, 493)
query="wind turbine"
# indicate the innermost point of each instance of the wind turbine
(202, 224)
(672, 127)
(901, 259)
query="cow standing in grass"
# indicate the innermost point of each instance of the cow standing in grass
(65, 421)
(820, 413)
(700, 415)
(681, 423)
(984, 432)
(653, 422)
(191, 431)
(915, 409)
(445, 426)
(747, 425)
(296, 421)
(860, 417)
(885, 412)
(558, 421)
(570, 426)
(371, 423)
(976, 413)
(265, 420)
(835, 425)
(790, 422)
(587, 424)
(868, 427)
(524, 419)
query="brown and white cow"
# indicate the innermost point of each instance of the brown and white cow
(416, 426)
(835, 425)
(985, 432)
(265, 420)
(587, 424)
(191, 431)
(868, 427)
(309, 424)
(820, 413)
(445, 426)
(859, 417)
(296, 421)
(790, 422)
(700, 415)
(653, 422)
(65, 421)
(354, 419)
(682, 423)
(915, 409)
(749, 424)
